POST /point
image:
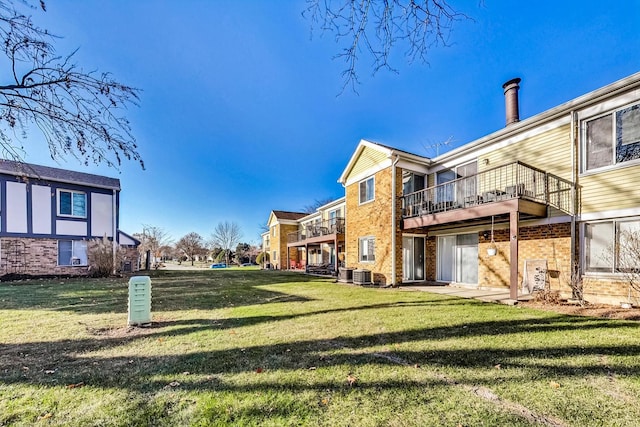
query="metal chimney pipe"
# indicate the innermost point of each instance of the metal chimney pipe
(512, 109)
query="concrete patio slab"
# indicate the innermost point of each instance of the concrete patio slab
(487, 295)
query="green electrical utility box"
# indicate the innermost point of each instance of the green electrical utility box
(139, 300)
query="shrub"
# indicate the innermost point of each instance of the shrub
(262, 256)
(100, 254)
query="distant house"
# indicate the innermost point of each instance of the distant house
(274, 241)
(48, 215)
(541, 202)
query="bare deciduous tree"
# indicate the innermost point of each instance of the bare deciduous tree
(191, 245)
(316, 204)
(376, 28)
(226, 235)
(79, 113)
(154, 239)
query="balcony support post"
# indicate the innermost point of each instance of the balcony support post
(514, 219)
(335, 254)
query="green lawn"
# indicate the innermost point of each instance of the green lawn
(246, 347)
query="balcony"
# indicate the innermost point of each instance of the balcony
(325, 231)
(514, 187)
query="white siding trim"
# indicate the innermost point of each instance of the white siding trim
(614, 213)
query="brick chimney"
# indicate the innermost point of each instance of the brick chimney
(511, 100)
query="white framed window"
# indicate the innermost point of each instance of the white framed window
(72, 253)
(611, 139)
(72, 203)
(367, 249)
(611, 246)
(367, 190)
(275, 256)
(273, 231)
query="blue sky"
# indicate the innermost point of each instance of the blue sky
(239, 113)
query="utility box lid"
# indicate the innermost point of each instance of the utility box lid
(139, 300)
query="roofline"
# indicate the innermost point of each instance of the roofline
(332, 203)
(138, 242)
(390, 152)
(30, 172)
(583, 101)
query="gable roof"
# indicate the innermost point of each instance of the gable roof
(289, 215)
(47, 173)
(384, 150)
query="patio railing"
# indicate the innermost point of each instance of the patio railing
(510, 181)
(323, 228)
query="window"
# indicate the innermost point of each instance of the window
(367, 249)
(445, 187)
(367, 190)
(72, 203)
(611, 246)
(273, 231)
(412, 182)
(611, 139)
(275, 256)
(72, 252)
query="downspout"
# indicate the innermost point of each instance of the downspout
(574, 200)
(114, 221)
(393, 220)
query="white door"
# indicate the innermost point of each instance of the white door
(467, 258)
(412, 258)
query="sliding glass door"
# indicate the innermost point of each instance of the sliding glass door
(457, 258)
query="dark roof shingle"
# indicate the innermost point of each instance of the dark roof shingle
(47, 173)
(289, 215)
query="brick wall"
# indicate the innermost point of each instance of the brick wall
(608, 290)
(549, 242)
(374, 219)
(34, 257)
(39, 257)
(279, 243)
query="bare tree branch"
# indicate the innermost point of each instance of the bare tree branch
(191, 245)
(79, 113)
(376, 28)
(226, 235)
